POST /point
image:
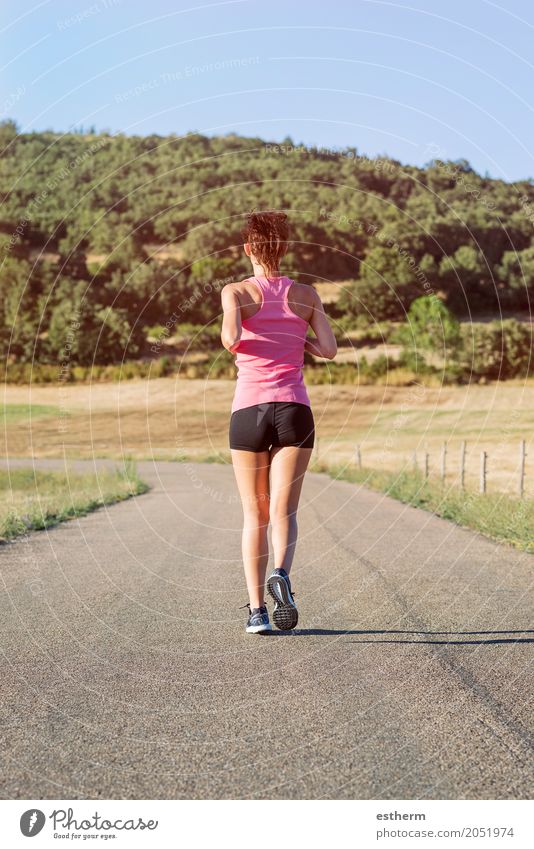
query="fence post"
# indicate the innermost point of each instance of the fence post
(483, 469)
(316, 449)
(358, 457)
(462, 465)
(414, 460)
(426, 465)
(443, 461)
(522, 458)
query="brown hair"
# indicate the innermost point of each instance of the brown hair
(267, 234)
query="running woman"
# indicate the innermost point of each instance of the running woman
(272, 430)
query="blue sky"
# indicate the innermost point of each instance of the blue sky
(411, 79)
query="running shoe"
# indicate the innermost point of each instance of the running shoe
(285, 613)
(258, 620)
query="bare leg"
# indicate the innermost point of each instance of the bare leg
(288, 467)
(252, 475)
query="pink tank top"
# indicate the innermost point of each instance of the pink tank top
(270, 355)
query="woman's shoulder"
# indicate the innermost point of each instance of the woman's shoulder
(237, 287)
(243, 293)
(300, 298)
(305, 292)
(302, 286)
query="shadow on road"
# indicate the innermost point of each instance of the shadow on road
(309, 632)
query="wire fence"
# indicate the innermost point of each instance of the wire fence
(421, 464)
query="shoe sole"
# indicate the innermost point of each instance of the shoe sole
(285, 613)
(259, 629)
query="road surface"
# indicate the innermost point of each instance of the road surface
(126, 672)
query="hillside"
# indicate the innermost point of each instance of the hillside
(103, 237)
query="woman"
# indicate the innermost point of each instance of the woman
(265, 321)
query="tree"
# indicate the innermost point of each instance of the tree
(386, 287)
(20, 308)
(463, 276)
(82, 331)
(430, 326)
(516, 274)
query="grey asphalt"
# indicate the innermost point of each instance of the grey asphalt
(126, 672)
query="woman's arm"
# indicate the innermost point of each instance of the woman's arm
(231, 325)
(325, 344)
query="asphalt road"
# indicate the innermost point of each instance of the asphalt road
(126, 672)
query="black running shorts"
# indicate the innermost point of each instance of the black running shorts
(271, 425)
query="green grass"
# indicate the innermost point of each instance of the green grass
(23, 412)
(496, 515)
(35, 500)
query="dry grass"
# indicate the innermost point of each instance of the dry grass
(328, 291)
(164, 417)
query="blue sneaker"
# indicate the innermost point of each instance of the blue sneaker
(258, 620)
(285, 613)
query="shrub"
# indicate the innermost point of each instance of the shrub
(498, 350)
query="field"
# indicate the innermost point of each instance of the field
(167, 419)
